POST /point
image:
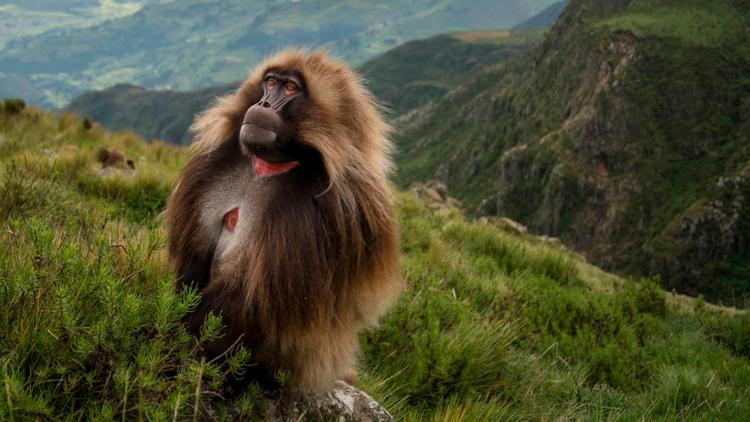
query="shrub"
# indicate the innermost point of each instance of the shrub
(596, 329)
(139, 199)
(21, 189)
(649, 297)
(733, 331)
(83, 337)
(13, 105)
(445, 351)
(87, 123)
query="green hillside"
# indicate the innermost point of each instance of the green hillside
(190, 44)
(403, 78)
(493, 324)
(416, 72)
(164, 115)
(625, 133)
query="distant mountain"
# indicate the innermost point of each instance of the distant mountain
(413, 74)
(19, 86)
(190, 44)
(21, 18)
(545, 18)
(626, 133)
(403, 78)
(162, 115)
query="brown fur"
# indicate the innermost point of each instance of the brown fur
(110, 157)
(320, 257)
(113, 158)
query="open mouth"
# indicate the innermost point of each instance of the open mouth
(263, 168)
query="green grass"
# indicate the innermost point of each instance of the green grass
(697, 23)
(517, 37)
(493, 325)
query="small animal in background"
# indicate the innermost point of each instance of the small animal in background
(283, 219)
(113, 158)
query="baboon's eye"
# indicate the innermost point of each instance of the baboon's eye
(289, 89)
(270, 82)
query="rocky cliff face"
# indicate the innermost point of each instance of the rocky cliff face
(710, 240)
(624, 133)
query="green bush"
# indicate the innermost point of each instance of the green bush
(598, 330)
(87, 124)
(733, 331)
(647, 297)
(139, 199)
(445, 351)
(21, 189)
(13, 105)
(77, 320)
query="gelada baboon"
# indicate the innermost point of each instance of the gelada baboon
(112, 158)
(283, 218)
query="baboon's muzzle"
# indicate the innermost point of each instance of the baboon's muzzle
(260, 127)
(265, 133)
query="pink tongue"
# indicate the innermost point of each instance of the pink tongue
(264, 168)
(230, 218)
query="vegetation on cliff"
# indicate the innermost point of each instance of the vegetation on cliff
(625, 133)
(493, 324)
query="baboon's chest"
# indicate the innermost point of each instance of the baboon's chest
(230, 211)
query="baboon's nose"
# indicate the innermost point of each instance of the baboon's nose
(260, 126)
(253, 135)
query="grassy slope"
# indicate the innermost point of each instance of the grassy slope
(197, 43)
(607, 151)
(403, 78)
(492, 325)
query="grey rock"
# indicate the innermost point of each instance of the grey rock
(343, 403)
(107, 171)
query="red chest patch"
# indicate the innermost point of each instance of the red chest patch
(230, 219)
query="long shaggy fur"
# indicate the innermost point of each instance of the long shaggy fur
(319, 256)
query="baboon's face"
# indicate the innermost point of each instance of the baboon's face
(269, 129)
